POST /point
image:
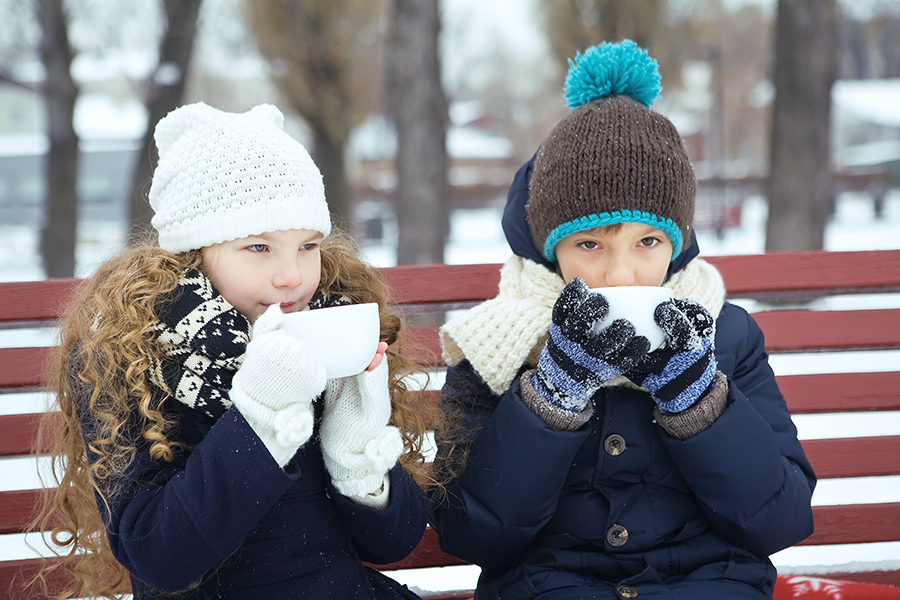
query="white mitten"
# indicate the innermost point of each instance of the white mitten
(358, 445)
(275, 386)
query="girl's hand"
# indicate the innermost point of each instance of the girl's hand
(359, 445)
(275, 385)
(379, 355)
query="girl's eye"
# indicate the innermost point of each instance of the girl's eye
(649, 242)
(309, 246)
(257, 247)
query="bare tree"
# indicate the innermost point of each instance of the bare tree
(58, 234)
(165, 89)
(324, 55)
(418, 108)
(801, 180)
(870, 42)
(574, 25)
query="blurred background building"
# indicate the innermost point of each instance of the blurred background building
(501, 67)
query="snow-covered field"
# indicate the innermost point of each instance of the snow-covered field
(476, 237)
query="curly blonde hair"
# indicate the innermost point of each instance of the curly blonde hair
(101, 368)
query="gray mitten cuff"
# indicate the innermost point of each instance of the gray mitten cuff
(700, 415)
(557, 418)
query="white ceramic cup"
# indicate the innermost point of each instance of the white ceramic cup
(344, 338)
(637, 305)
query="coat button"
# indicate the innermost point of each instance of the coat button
(617, 536)
(614, 445)
(626, 591)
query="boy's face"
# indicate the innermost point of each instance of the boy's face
(279, 267)
(616, 255)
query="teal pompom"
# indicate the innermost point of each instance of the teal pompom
(609, 69)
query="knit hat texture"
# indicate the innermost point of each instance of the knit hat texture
(612, 159)
(224, 176)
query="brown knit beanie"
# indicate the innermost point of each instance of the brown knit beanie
(612, 159)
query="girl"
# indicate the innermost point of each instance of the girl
(202, 452)
(580, 465)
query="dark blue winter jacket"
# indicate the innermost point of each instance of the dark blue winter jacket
(618, 508)
(225, 521)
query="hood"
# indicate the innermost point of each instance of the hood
(518, 233)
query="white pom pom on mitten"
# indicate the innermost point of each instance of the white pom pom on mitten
(275, 386)
(358, 445)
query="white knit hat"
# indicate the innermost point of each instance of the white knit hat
(225, 176)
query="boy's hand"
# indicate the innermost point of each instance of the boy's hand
(577, 361)
(681, 371)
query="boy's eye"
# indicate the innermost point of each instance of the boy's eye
(257, 247)
(588, 244)
(649, 242)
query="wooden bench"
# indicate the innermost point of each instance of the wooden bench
(802, 325)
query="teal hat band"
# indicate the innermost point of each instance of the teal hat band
(618, 216)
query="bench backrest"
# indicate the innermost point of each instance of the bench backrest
(774, 278)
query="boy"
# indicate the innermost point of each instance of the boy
(576, 463)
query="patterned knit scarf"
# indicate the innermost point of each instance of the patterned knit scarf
(204, 339)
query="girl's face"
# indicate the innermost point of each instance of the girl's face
(279, 267)
(616, 255)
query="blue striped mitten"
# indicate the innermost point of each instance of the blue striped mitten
(578, 360)
(680, 372)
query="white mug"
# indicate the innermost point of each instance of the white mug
(344, 338)
(636, 304)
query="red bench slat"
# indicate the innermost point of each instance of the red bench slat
(22, 367)
(442, 284)
(842, 457)
(802, 330)
(780, 273)
(841, 392)
(856, 524)
(17, 509)
(19, 432)
(427, 554)
(34, 300)
(423, 345)
(14, 572)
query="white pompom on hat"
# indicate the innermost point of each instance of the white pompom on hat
(224, 176)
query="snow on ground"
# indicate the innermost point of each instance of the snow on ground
(476, 236)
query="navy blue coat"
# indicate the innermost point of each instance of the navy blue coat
(580, 514)
(226, 522)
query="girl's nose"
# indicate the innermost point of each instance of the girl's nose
(619, 273)
(288, 275)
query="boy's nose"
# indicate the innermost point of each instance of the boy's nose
(619, 273)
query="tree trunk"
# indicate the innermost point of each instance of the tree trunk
(418, 108)
(58, 234)
(165, 90)
(328, 154)
(801, 183)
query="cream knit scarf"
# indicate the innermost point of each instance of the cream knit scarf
(500, 335)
